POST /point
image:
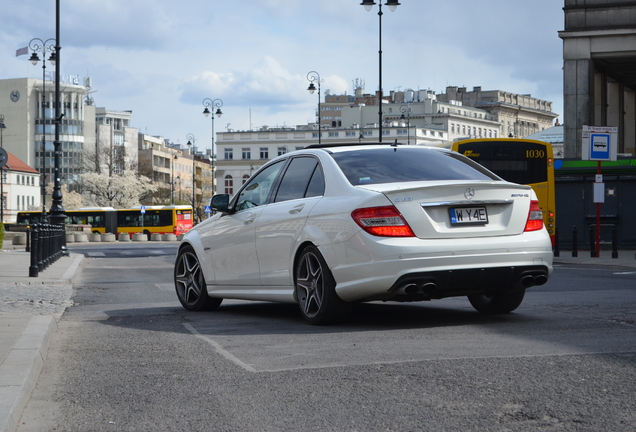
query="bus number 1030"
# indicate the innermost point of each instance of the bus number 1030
(535, 154)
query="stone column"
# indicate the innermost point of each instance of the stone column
(578, 96)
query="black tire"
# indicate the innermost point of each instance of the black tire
(315, 290)
(190, 283)
(498, 303)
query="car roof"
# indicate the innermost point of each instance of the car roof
(340, 147)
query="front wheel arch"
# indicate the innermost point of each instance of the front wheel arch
(190, 282)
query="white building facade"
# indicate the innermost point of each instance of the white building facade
(240, 153)
(20, 188)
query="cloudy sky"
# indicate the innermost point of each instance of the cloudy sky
(161, 58)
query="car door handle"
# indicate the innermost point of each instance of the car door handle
(297, 209)
(250, 220)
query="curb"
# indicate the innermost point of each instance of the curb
(21, 368)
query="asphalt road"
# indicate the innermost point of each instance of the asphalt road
(127, 357)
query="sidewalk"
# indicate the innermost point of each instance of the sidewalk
(29, 311)
(625, 258)
(31, 307)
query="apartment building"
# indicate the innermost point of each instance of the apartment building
(519, 115)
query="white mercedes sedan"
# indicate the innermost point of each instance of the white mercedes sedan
(332, 225)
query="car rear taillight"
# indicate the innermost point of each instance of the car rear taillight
(535, 217)
(382, 221)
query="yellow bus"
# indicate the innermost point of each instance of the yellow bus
(521, 161)
(171, 219)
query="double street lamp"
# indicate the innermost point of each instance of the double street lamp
(209, 103)
(57, 209)
(39, 46)
(191, 140)
(368, 5)
(314, 77)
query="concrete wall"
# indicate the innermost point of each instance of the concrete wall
(599, 62)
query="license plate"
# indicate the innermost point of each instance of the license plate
(468, 215)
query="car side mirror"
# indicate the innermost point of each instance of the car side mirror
(220, 202)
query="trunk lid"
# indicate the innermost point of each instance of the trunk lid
(460, 208)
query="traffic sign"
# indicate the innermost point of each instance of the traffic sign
(207, 209)
(599, 143)
(4, 157)
(143, 209)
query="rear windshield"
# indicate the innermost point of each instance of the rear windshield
(404, 164)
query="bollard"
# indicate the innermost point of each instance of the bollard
(46, 258)
(33, 269)
(592, 245)
(614, 242)
(556, 243)
(575, 248)
(41, 242)
(28, 243)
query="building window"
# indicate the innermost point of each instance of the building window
(282, 151)
(246, 177)
(229, 154)
(402, 132)
(264, 153)
(333, 134)
(350, 134)
(386, 132)
(229, 184)
(247, 153)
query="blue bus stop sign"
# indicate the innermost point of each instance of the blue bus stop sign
(207, 209)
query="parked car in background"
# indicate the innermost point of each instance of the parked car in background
(332, 225)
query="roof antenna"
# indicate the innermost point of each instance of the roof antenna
(395, 144)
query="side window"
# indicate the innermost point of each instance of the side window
(257, 190)
(296, 179)
(316, 184)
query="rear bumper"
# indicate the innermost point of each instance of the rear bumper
(451, 283)
(367, 269)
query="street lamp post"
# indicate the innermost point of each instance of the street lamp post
(212, 159)
(191, 141)
(57, 209)
(314, 77)
(172, 159)
(368, 5)
(216, 103)
(2, 127)
(38, 45)
(406, 109)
